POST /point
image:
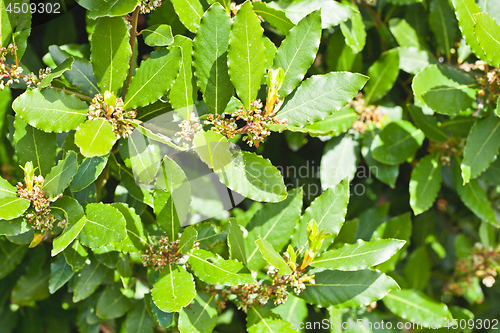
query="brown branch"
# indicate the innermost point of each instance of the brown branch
(69, 92)
(133, 37)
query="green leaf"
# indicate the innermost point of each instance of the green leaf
(272, 257)
(88, 279)
(33, 145)
(88, 172)
(246, 56)
(57, 72)
(81, 73)
(105, 226)
(163, 319)
(31, 288)
(354, 257)
(6, 189)
(274, 223)
(293, 308)
(76, 256)
(182, 94)
(12, 207)
(95, 137)
(465, 10)
(415, 306)
(50, 110)
(339, 160)
(138, 319)
(332, 12)
(236, 242)
(109, 8)
(69, 209)
(320, 96)
(412, 60)
(188, 237)
(354, 30)
(245, 176)
(213, 149)
(212, 269)
(336, 124)
(112, 303)
(158, 35)
(60, 273)
(348, 289)
(60, 175)
(328, 211)
(11, 256)
(384, 73)
(340, 56)
(275, 17)
(189, 12)
(298, 51)
(474, 197)
(428, 124)
(136, 239)
(153, 78)
(210, 58)
(444, 25)
(397, 142)
(418, 269)
(14, 227)
(15, 27)
(481, 147)
(487, 32)
(444, 89)
(200, 316)
(270, 54)
(110, 53)
(425, 183)
(405, 34)
(174, 289)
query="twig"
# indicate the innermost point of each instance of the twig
(133, 37)
(69, 92)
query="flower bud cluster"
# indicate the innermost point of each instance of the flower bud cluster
(454, 146)
(147, 6)
(188, 130)
(40, 218)
(163, 254)
(12, 73)
(490, 83)
(366, 114)
(114, 114)
(482, 263)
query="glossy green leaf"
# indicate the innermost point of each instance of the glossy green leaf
(14, 227)
(272, 257)
(188, 237)
(88, 279)
(60, 273)
(358, 256)
(154, 77)
(328, 211)
(76, 256)
(15, 26)
(138, 319)
(200, 316)
(189, 12)
(95, 137)
(69, 209)
(163, 319)
(60, 175)
(427, 124)
(298, 51)
(397, 142)
(105, 226)
(348, 289)
(425, 183)
(339, 160)
(136, 239)
(274, 223)
(465, 10)
(10, 256)
(12, 207)
(275, 17)
(33, 145)
(108, 8)
(57, 72)
(444, 89)
(405, 34)
(174, 289)
(417, 307)
(211, 268)
(336, 124)
(384, 73)
(320, 96)
(158, 35)
(213, 149)
(444, 25)
(236, 242)
(182, 93)
(110, 53)
(412, 60)
(88, 172)
(354, 29)
(31, 288)
(481, 147)
(245, 176)
(6, 189)
(246, 54)
(50, 110)
(340, 56)
(112, 303)
(487, 32)
(418, 269)
(210, 58)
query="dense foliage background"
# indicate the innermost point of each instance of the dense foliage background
(366, 187)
